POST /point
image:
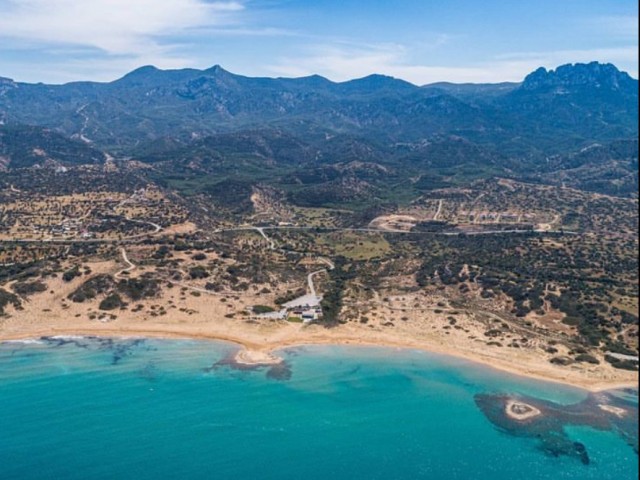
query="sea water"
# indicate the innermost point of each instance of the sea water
(166, 409)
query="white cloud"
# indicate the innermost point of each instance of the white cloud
(102, 39)
(625, 58)
(115, 27)
(340, 62)
(343, 63)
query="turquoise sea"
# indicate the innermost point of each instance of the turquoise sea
(164, 409)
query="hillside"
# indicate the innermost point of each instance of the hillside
(548, 113)
(26, 146)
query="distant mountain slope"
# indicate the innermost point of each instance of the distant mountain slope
(26, 146)
(582, 101)
(473, 90)
(551, 112)
(610, 168)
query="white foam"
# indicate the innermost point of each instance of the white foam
(26, 341)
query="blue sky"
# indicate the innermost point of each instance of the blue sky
(421, 41)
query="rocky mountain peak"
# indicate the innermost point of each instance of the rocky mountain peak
(578, 76)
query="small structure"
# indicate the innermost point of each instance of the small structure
(309, 316)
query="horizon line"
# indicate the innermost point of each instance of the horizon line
(374, 74)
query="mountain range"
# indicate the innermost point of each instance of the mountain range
(227, 124)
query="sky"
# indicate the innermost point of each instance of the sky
(421, 41)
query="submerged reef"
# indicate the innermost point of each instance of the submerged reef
(119, 348)
(525, 416)
(276, 371)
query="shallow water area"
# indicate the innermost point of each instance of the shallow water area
(79, 408)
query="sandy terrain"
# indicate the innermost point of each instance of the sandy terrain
(521, 411)
(180, 313)
(392, 223)
(619, 412)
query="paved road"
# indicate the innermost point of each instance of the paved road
(376, 230)
(272, 245)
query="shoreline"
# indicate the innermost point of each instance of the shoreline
(265, 354)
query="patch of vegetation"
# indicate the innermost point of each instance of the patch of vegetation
(262, 309)
(332, 299)
(139, 288)
(584, 357)
(585, 273)
(111, 302)
(93, 287)
(198, 272)
(25, 289)
(72, 273)
(7, 298)
(622, 364)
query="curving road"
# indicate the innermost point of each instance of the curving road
(125, 259)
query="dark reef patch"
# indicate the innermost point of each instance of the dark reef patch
(119, 348)
(149, 372)
(606, 411)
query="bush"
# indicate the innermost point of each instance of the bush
(586, 358)
(214, 287)
(198, 272)
(92, 287)
(7, 298)
(71, 274)
(111, 302)
(622, 364)
(262, 309)
(162, 252)
(28, 288)
(139, 288)
(561, 361)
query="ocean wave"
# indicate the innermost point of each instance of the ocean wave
(26, 341)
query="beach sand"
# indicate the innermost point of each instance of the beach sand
(209, 317)
(521, 411)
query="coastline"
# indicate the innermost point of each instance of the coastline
(252, 353)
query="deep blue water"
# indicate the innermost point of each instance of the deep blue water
(154, 410)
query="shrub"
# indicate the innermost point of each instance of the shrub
(198, 272)
(28, 288)
(585, 357)
(622, 364)
(92, 287)
(71, 274)
(111, 302)
(262, 309)
(7, 298)
(139, 288)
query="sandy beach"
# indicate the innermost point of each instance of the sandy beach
(210, 317)
(255, 352)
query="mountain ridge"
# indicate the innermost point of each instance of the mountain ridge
(548, 113)
(216, 68)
